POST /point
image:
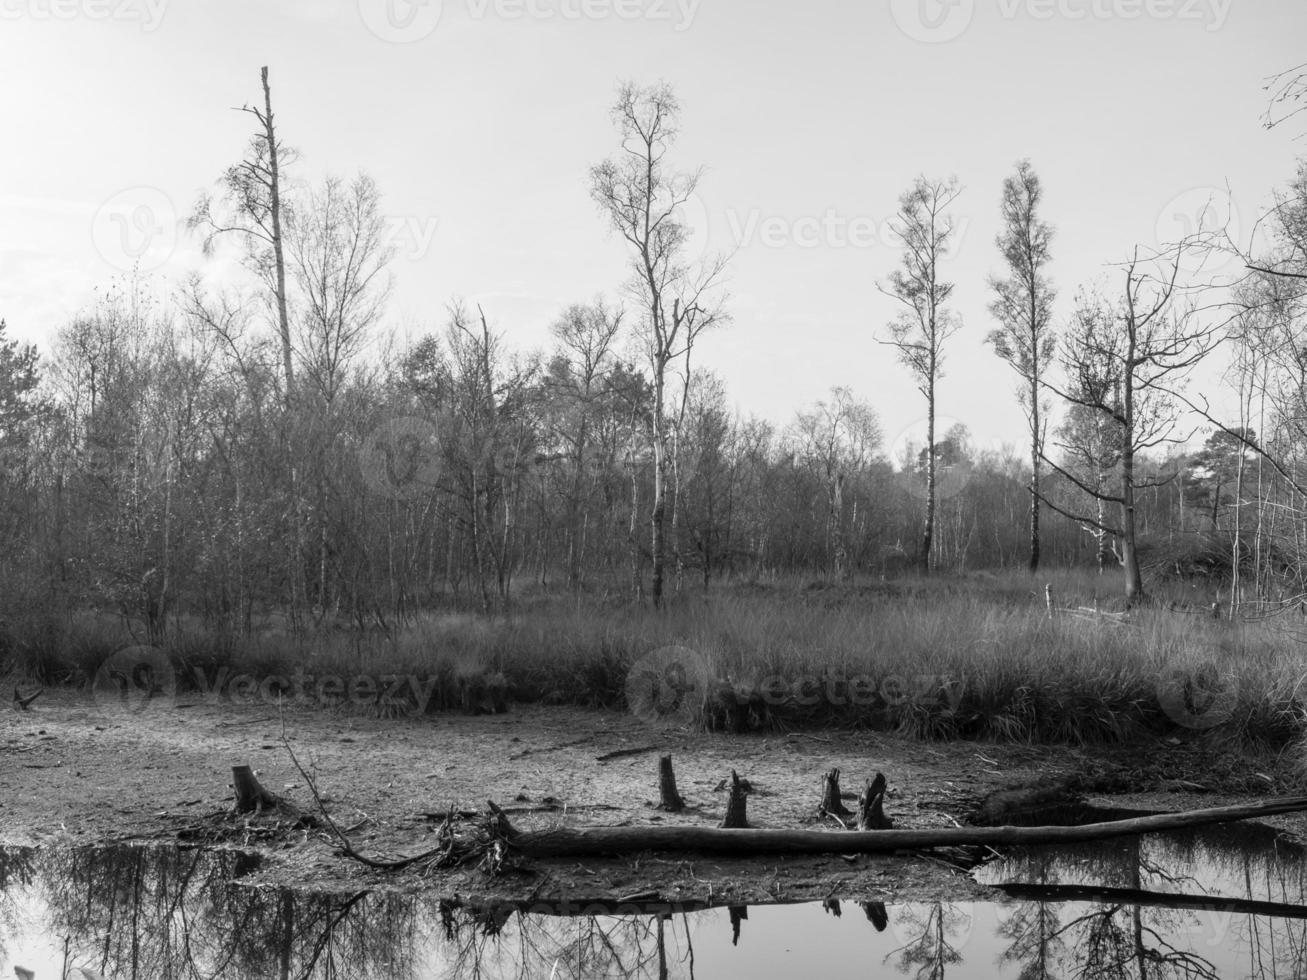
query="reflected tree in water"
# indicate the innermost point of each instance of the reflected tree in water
(512, 944)
(135, 913)
(941, 929)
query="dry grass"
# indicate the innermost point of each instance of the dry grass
(968, 657)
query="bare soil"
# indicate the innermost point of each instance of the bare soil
(75, 772)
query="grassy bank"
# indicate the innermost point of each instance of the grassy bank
(974, 657)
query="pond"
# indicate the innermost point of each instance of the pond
(1219, 902)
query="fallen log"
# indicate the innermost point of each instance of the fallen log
(1135, 896)
(567, 842)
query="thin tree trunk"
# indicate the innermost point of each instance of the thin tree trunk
(658, 516)
(928, 534)
(274, 184)
(1034, 456)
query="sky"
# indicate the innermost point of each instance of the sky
(480, 119)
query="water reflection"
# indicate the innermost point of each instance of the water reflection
(1210, 902)
(1151, 908)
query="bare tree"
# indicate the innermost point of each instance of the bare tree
(1129, 368)
(577, 381)
(252, 192)
(643, 200)
(1088, 436)
(1023, 306)
(922, 328)
(837, 440)
(339, 258)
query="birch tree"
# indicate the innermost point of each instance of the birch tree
(1023, 306)
(924, 325)
(644, 200)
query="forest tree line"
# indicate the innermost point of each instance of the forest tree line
(222, 453)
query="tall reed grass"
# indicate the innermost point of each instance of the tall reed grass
(978, 656)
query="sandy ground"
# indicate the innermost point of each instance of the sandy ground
(75, 772)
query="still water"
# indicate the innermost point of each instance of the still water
(1226, 902)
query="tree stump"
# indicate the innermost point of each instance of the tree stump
(876, 914)
(669, 799)
(831, 906)
(735, 818)
(738, 914)
(871, 815)
(830, 796)
(251, 797)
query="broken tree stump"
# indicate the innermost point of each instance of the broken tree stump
(876, 914)
(830, 796)
(23, 703)
(669, 799)
(251, 797)
(738, 914)
(871, 815)
(735, 818)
